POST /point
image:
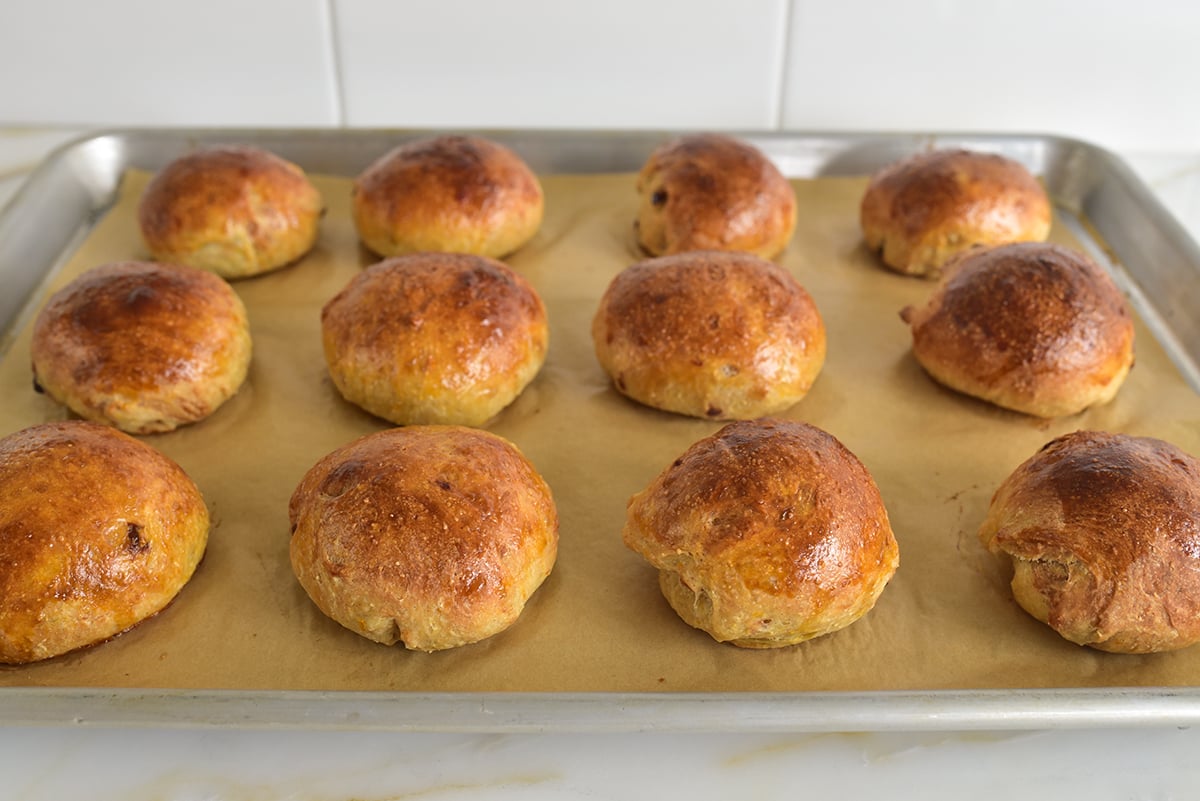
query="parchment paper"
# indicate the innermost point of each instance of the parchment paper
(599, 623)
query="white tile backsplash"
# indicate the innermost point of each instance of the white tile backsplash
(546, 63)
(1119, 73)
(146, 62)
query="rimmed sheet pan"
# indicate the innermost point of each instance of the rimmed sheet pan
(599, 650)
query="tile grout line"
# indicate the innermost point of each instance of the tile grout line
(336, 57)
(784, 62)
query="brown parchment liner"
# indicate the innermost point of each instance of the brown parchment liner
(599, 623)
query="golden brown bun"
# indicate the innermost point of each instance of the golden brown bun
(97, 532)
(710, 334)
(713, 192)
(766, 534)
(928, 207)
(434, 536)
(1032, 327)
(1102, 530)
(435, 338)
(142, 346)
(455, 194)
(234, 210)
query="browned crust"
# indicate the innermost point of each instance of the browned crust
(233, 209)
(766, 534)
(922, 210)
(142, 346)
(1104, 533)
(713, 192)
(435, 338)
(433, 536)
(710, 334)
(1032, 327)
(97, 532)
(460, 194)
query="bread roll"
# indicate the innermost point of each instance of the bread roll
(97, 532)
(235, 210)
(1032, 327)
(922, 210)
(142, 346)
(435, 338)
(459, 194)
(710, 334)
(713, 192)
(766, 534)
(1104, 535)
(433, 536)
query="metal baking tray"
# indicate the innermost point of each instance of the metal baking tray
(1148, 251)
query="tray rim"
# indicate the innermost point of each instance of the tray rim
(65, 169)
(601, 712)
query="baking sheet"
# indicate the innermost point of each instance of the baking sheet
(599, 626)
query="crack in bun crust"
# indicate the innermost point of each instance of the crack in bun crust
(1104, 534)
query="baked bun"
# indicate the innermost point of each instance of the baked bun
(1032, 327)
(455, 194)
(766, 534)
(235, 210)
(433, 536)
(142, 346)
(1102, 531)
(97, 532)
(710, 334)
(713, 192)
(924, 209)
(435, 338)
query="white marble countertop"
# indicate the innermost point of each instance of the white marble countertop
(188, 764)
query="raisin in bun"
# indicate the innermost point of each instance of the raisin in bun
(1104, 535)
(461, 194)
(98, 531)
(922, 210)
(710, 334)
(145, 347)
(1032, 327)
(235, 210)
(433, 536)
(435, 338)
(766, 534)
(713, 192)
